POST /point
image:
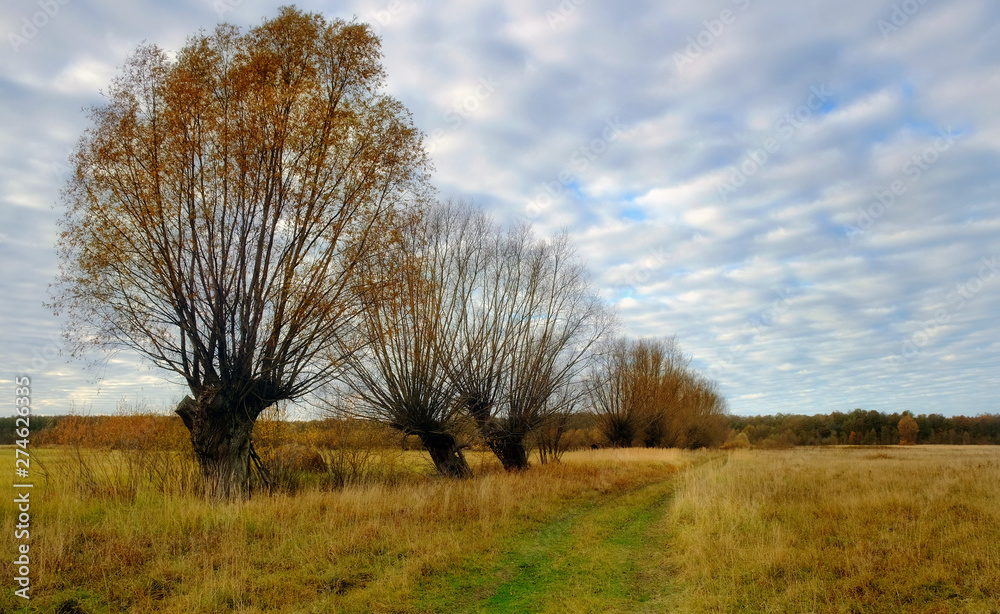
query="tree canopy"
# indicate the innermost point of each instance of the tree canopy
(221, 206)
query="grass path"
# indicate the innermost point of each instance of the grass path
(599, 557)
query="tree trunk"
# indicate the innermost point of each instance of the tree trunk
(549, 438)
(220, 435)
(620, 432)
(447, 456)
(655, 435)
(509, 448)
(506, 445)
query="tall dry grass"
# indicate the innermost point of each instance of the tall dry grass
(914, 529)
(892, 529)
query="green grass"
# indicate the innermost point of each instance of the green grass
(366, 548)
(590, 558)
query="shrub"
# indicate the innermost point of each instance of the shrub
(736, 441)
(296, 457)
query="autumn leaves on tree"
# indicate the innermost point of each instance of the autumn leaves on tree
(644, 392)
(220, 208)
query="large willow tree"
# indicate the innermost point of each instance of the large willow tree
(221, 207)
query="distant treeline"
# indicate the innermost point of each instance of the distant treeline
(861, 427)
(9, 426)
(581, 430)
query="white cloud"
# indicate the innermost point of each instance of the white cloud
(765, 288)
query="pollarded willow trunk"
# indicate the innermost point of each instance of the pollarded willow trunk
(447, 456)
(619, 431)
(509, 449)
(655, 435)
(221, 438)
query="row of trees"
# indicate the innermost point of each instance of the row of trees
(254, 216)
(503, 331)
(860, 427)
(645, 393)
(490, 327)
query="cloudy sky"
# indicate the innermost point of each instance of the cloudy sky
(804, 192)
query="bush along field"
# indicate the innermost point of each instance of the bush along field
(348, 525)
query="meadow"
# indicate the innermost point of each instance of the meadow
(830, 529)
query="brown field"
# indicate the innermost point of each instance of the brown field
(887, 529)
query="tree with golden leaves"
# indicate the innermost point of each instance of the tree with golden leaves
(908, 429)
(627, 389)
(221, 206)
(645, 391)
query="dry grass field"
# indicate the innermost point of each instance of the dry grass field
(893, 529)
(889, 529)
